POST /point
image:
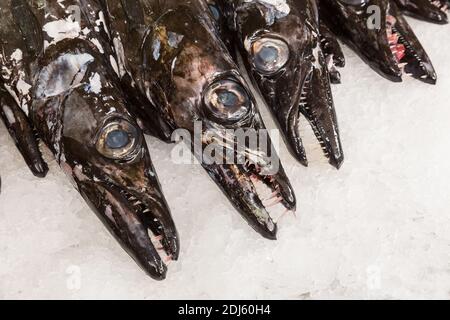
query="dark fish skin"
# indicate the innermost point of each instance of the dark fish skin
(350, 23)
(429, 10)
(14, 118)
(302, 85)
(174, 56)
(81, 113)
(22, 133)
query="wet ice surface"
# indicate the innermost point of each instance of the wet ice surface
(378, 228)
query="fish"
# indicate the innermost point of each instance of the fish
(378, 32)
(332, 50)
(290, 60)
(435, 11)
(81, 113)
(174, 58)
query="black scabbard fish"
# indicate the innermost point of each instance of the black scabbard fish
(15, 55)
(429, 10)
(176, 60)
(81, 113)
(380, 34)
(281, 45)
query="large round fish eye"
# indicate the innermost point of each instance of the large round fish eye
(118, 140)
(214, 11)
(269, 54)
(227, 100)
(354, 2)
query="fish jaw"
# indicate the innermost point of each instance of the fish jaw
(435, 11)
(82, 115)
(391, 49)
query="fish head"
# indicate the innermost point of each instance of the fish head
(380, 34)
(430, 10)
(84, 118)
(193, 78)
(281, 46)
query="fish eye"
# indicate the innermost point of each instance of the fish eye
(269, 54)
(227, 100)
(214, 11)
(119, 140)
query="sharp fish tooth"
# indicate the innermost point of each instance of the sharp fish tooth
(272, 196)
(274, 203)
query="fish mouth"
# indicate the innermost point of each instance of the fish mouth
(408, 55)
(259, 190)
(391, 49)
(141, 223)
(23, 133)
(316, 104)
(439, 15)
(434, 11)
(303, 88)
(443, 6)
